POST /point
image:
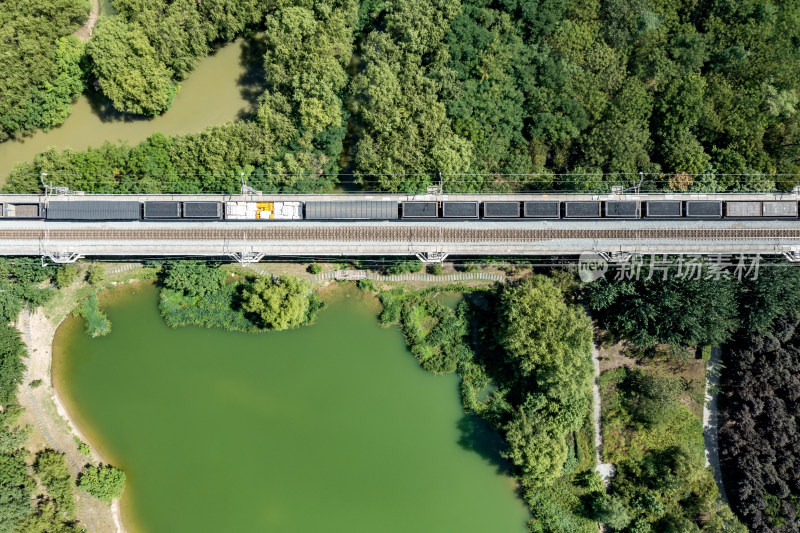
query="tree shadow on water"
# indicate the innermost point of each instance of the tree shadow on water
(102, 107)
(476, 435)
(252, 82)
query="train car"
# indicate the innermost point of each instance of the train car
(202, 210)
(622, 209)
(582, 209)
(542, 210)
(460, 209)
(704, 209)
(420, 210)
(93, 210)
(664, 208)
(263, 210)
(742, 209)
(23, 211)
(500, 209)
(352, 210)
(779, 209)
(161, 210)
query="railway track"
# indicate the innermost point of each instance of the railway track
(394, 234)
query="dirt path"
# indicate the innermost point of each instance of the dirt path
(85, 31)
(606, 470)
(53, 427)
(711, 419)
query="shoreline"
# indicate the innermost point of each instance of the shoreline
(50, 418)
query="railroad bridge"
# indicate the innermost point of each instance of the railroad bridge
(431, 239)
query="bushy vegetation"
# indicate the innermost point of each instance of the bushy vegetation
(758, 436)
(104, 482)
(95, 275)
(51, 469)
(20, 286)
(656, 444)
(66, 275)
(277, 304)
(140, 54)
(12, 350)
(402, 266)
(195, 293)
(523, 354)
(97, 323)
(42, 64)
(18, 511)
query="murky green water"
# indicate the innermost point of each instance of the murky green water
(222, 88)
(330, 428)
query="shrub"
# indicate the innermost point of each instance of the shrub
(65, 275)
(277, 303)
(401, 267)
(315, 268)
(366, 285)
(51, 467)
(95, 275)
(193, 278)
(104, 482)
(436, 269)
(391, 310)
(83, 448)
(36, 383)
(97, 323)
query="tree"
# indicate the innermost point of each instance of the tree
(127, 68)
(104, 482)
(277, 303)
(610, 510)
(667, 307)
(548, 345)
(540, 331)
(193, 278)
(51, 468)
(66, 275)
(42, 63)
(95, 275)
(12, 350)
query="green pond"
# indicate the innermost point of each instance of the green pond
(332, 427)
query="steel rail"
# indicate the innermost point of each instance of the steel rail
(395, 234)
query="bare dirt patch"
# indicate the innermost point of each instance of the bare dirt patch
(691, 371)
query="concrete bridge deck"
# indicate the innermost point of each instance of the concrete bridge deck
(305, 238)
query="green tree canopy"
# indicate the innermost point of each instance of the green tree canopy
(666, 308)
(128, 70)
(548, 343)
(104, 482)
(278, 304)
(193, 278)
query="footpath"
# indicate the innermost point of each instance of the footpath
(711, 419)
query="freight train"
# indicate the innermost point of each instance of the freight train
(362, 209)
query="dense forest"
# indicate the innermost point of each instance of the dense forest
(758, 437)
(502, 95)
(43, 65)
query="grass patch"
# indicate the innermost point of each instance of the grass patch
(97, 323)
